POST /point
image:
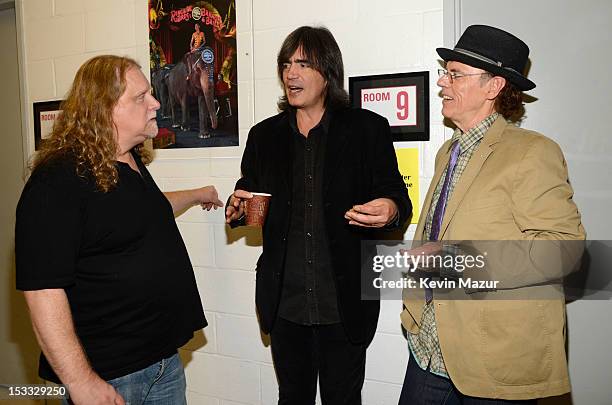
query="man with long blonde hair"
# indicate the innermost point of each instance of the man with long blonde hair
(104, 270)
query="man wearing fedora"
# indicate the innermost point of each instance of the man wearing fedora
(492, 181)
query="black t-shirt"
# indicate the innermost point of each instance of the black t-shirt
(120, 258)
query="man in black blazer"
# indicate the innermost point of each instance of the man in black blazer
(333, 177)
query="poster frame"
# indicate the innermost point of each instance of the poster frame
(418, 132)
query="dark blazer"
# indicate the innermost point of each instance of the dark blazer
(359, 166)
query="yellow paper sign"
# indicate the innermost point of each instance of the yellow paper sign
(408, 163)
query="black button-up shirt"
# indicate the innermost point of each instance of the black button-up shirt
(309, 293)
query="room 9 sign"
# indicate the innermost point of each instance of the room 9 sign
(402, 98)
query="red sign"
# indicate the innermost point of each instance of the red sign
(182, 14)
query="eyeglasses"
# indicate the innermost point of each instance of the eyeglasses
(456, 75)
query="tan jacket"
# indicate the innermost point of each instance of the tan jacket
(514, 188)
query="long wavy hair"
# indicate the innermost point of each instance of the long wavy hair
(320, 47)
(85, 131)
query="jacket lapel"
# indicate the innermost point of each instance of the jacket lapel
(442, 162)
(284, 153)
(480, 155)
(337, 139)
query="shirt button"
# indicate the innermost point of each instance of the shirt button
(309, 177)
(309, 205)
(310, 290)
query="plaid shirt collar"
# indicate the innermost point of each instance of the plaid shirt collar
(468, 139)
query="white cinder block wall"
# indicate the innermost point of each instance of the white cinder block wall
(230, 362)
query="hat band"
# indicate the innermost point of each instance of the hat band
(484, 59)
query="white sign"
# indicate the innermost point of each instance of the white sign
(397, 104)
(47, 119)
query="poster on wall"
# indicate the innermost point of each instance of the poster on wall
(402, 98)
(192, 49)
(45, 114)
(408, 164)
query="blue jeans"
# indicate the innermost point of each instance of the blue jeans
(162, 383)
(424, 388)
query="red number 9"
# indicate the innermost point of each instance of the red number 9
(402, 105)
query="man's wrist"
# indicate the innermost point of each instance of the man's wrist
(394, 221)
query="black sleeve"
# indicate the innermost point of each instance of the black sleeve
(48, 231)
(248, 169)
(386, 178)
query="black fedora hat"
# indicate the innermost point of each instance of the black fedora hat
(493, 50)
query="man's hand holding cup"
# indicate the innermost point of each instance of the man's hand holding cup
(252, 205)
(235, 207)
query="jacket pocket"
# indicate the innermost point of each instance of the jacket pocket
(516, 343)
